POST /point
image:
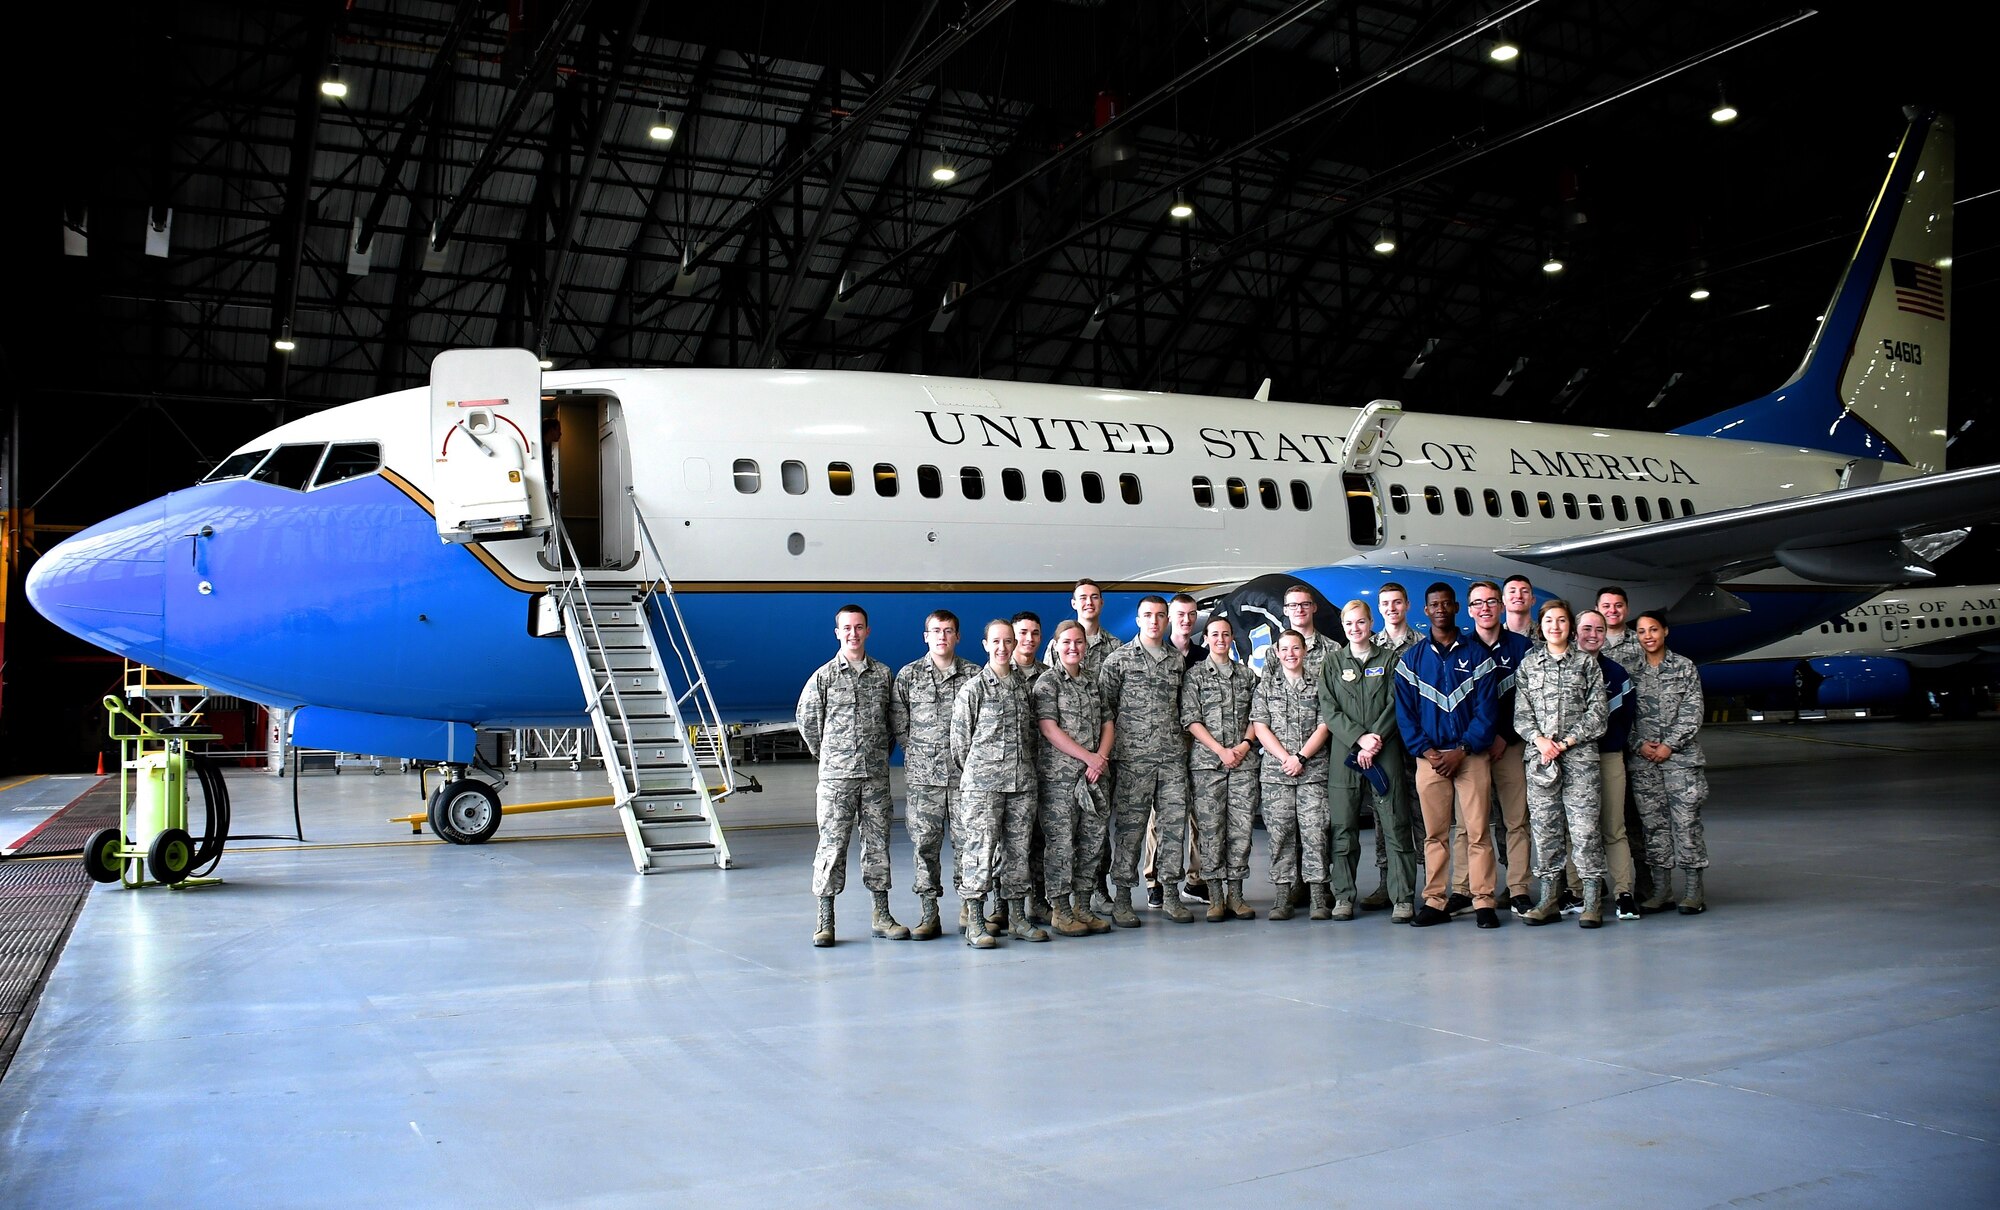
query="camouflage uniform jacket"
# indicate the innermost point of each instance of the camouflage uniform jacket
(1316, 648)
(920, 716)
(1142, 692)
(844, 717)
(1625, 649)
(1292, 714)
(1381, 639)
(1358, 697)
(993, 734)
(1560, 698)
(1218, 697)
(1072, 704)
(1096, 649)
(1670, 706)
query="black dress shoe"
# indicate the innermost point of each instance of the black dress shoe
(1457, 903)
(1521, 905)
(1153, 896)
(1487, 918)
(1195, 890)
(1428, 915)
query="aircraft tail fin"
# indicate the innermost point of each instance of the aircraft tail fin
(1875, 380)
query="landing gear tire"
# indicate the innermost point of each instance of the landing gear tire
(100, 854)
(466, 811)
(171, 857)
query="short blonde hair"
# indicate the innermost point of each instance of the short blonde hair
(1357, 603)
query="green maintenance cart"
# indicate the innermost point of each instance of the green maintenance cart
(151, 845)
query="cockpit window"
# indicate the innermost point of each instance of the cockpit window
(236, 465)
(349, 460)
(290, 466)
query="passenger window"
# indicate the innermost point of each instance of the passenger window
(840, 478)
(1434, 501)
(1399, 497)
(930, 484)
(1618, 509)
(349, 460)
(1520, 503)
(1864, 628)
(291, 466)
(1546, 505)
(1204, 492)
(1013, 485)
(1267, 492)
(793, 472)
(1302, 495)
(748, 477)
(1093, 487)
(1645, 509)
(972, 483)
(1596, 503)
(1052, 486)
(1128, 487)
(236, 465)
(1463, 499)
(1687, 507)
(885, 479)
(1492, 502)
(1666, 509)
(1239, 494)
(1570, 509)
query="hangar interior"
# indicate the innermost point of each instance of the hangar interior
(241, 213)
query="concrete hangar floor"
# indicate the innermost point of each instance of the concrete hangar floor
(527, 1023)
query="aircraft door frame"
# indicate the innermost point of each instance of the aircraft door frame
(1360, 485)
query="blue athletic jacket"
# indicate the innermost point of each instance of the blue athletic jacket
(1507, 656)
(1624, 706)
(1447, 699)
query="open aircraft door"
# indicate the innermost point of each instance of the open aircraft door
(1367, 524)
(486, 425)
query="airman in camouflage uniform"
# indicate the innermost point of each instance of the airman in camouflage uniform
(1621, 642)
(993, 740)
(1027, 641)
(1285, 714)
(1395, 637)
(920, 715)
(1216, 695)
(1357, 701)
(1088, 601)
(1075, 764)
(1141, 686)
(843, 716)
(1669, 780)
(1560, 710)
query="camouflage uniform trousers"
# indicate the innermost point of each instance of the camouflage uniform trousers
(1670, 797)
(1224, 802)
(1141, 790)
(1074, 814)
(995, 835)
(930, 812)
(1566, 816)
(1296, 816)
(842, 801)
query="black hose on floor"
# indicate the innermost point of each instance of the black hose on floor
(215, 797)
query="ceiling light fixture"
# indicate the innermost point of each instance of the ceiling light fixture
(1503, 49)
(662, 131)
(1181, 208)
(1553, 264)
(944, 174)
(284, 343)
(1385, 244)
(1724, 113)
(331, 85)
(1699, 292)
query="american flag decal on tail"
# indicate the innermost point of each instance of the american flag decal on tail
(1919, 288)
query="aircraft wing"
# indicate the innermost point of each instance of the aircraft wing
(1854, 536)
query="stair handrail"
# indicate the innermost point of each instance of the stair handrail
(681, 640)
(574, 593)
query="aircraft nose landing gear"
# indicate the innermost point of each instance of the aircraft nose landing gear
(465, 810)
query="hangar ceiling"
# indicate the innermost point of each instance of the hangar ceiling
(489, 178)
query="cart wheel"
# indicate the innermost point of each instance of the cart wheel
(378, 770)
(171, 856)
(100, 854)
(466, 811)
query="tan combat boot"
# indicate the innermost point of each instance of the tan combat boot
(1550, 907)
(1122, 914)
(824, 937)
(884, 925)
(1063, 920)
(1238, 907)
(929, 927)
(1320, 910)
(1593, 905)
(1023, 929)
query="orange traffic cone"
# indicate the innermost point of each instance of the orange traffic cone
(100, 763)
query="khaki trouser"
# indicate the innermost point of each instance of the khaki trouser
(1191, 861)
(1510, 781)
(1473, 790)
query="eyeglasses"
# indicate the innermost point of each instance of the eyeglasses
(1484, 603)
(1298, 604)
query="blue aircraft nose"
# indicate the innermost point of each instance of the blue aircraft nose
(104, 585)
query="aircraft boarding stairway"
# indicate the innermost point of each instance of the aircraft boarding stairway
(660, 779)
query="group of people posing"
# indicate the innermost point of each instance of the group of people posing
(1054, 777)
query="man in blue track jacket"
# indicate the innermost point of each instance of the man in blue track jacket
(1448, 712)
